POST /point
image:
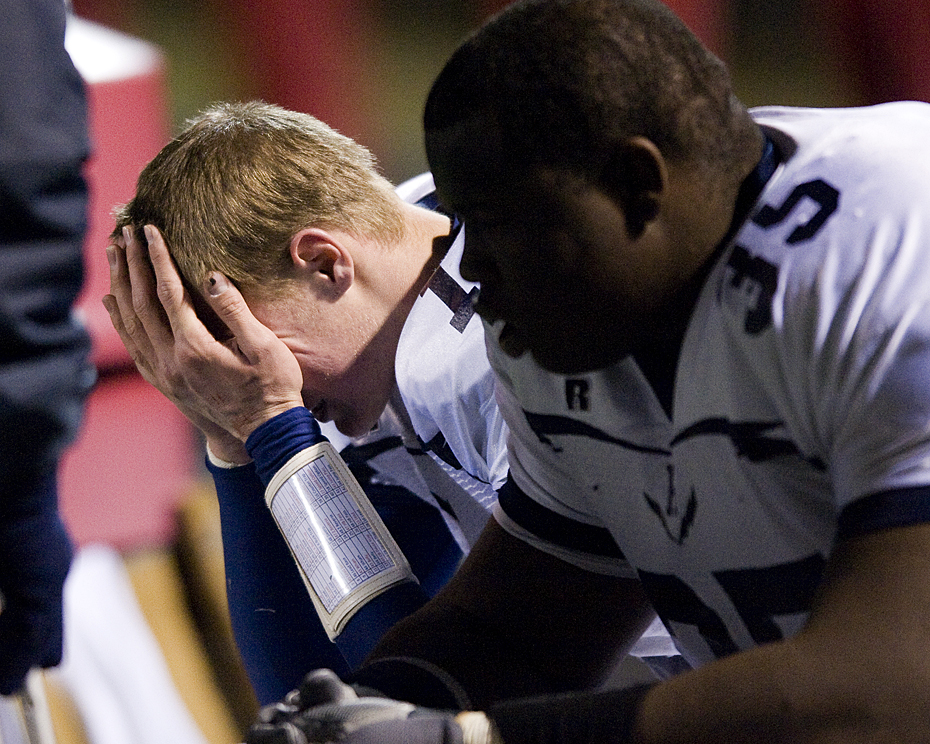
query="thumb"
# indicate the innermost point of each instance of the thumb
(323, 686)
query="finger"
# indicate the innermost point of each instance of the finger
(120, 289)
(142, 359)
(172, 298)
(111, 305)
(120, 307)
(145, 302)
(252, 337)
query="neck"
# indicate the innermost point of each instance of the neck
(657, 356)
(428, 241)
(415, 260)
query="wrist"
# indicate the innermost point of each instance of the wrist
(245, 428)
(227, 455)
(273, 443)
(477, 728)
(601, 717)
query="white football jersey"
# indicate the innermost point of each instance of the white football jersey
(801, 411)
(442, 435)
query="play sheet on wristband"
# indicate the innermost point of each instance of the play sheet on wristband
(343, 549)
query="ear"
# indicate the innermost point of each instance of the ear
(323, 258)
(636, 176)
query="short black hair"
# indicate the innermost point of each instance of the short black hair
(569, 80)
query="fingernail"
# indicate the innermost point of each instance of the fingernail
(216, 284)
(127, 233)
(149, 235)
(111, 256)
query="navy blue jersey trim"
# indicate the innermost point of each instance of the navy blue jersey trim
(358, 457)
(752, 187)
(356, 453)
(460, 302)
(440, 447)
(898, 508)
(431, 202)
(554, 528)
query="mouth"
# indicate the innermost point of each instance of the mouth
(509, 338)
(511, 342)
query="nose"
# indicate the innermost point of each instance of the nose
(477, 265)
(467, 265)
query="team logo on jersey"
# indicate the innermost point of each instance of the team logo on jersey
(576, 394)
(676, 521)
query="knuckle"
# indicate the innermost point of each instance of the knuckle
(187, 359)
(228, 307)
(141, 304)
(132, 326)
(167, 292)
(172, 377)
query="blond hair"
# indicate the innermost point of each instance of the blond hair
(241, 179)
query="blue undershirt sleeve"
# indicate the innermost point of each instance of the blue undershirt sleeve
(274, 620)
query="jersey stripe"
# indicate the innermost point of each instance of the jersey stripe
(453, 297)
(898, 508)
(553, 527)
(748, 437)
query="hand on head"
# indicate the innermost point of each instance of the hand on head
(227, 387)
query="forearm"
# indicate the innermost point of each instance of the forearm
(510, 623)
(857, 672)
(476, 656)
(277, 624)
(801, 690)
(778, 693)
(273, 618)
(749, 697)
